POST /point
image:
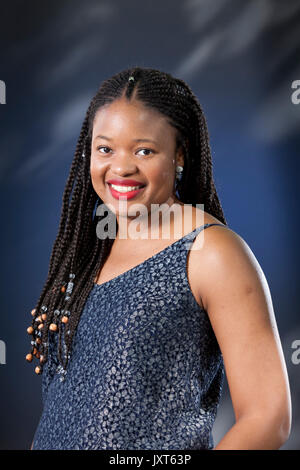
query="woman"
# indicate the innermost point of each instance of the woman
(133, 334)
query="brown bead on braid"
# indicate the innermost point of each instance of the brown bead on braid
(77, 251)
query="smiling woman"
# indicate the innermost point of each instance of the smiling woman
(133, 336)
(125, 157)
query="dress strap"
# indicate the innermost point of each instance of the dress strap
(191, 236)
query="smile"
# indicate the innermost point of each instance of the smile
(127, 191)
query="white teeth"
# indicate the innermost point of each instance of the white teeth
(124, 189)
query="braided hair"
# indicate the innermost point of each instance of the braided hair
(78, 254)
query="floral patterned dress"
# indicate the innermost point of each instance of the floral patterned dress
(146, 370)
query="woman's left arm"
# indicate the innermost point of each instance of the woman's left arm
(236, 296)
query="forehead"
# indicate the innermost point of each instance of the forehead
(132, 117)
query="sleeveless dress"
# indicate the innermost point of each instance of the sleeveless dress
(145, 372)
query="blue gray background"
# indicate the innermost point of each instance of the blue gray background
(240, 58)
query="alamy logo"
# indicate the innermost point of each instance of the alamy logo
(295, 96)
(2, 92)
(296, 354)
(2, 352)
(138, 228)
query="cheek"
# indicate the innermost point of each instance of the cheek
(163, 176)
(96, 167)
(97, 171)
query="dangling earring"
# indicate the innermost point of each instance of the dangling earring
(179, 171)
(178, 178)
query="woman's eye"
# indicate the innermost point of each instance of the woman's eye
(98, 148)
(147, 150)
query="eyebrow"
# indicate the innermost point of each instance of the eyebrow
(135, 140)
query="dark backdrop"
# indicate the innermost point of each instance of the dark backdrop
(240, 58)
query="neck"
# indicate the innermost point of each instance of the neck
(159, 222)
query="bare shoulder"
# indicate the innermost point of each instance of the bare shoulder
(224, 257)
(221, 257)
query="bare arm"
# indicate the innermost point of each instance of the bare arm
(236, 296)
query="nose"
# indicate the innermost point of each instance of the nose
(123, 165)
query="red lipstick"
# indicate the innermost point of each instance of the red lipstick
(128, 194)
